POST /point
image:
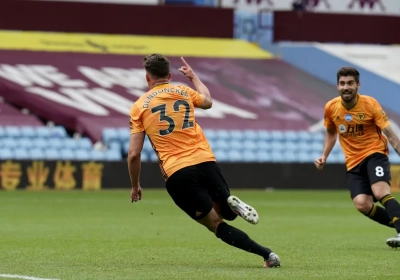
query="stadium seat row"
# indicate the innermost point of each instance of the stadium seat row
(64, 154)
(33, 132)
(122, 135)
(42, 143)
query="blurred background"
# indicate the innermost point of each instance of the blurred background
(70, 71)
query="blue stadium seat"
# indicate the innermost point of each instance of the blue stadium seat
(71, 143)
(235, 156)
(394, 158)
(43, 132)
(12, 131)
(304, 136)
(250, 145)
(291, 146)
(223, 134)
(28, 132)
(115, 146)
(110, 134)
(6, 153)
(235, 145)
(25, 143)
(144, 157)
(40, 143)
(316, 146)
(277, 157)
(9, 142)
(291, 135)
(147, 145)
(153, 157)
(221, 145)
(2, 132)
(303, 147)
(85, 143)
(249, 156)
(277, 146)
(57, 132)
(221, 155)
(318, 136)
(123, 134)
(51, 154)
(336, 148)
(21, 153)
(263, 156)
(125, 148)
(82, 154)
(250, 134)
(304, 156)
(113, 155)
(237, 135)
(36, 154)
(263, 145)
(290, 157)
(97, 155)
(55, 143)
(264, 135)
(67, 154)
(210, 134)
(277, 135)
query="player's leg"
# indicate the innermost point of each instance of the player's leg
(362, 196)
(229, 206)
(379, 176)
(185, 189)
(237, 238)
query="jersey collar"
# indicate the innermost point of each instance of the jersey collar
(358, 99)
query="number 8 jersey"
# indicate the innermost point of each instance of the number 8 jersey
(359, 129)
(166, 115)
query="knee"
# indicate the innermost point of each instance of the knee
(363, 204)
(380, 189)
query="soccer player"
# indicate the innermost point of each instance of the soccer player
(359, 120)
(193, 180)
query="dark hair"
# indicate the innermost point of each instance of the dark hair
(348, 71)
(156, 65)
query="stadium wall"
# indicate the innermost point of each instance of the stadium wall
(343, 28)
(82, 17)
(325, 65)
(95, 176)
(70, 175)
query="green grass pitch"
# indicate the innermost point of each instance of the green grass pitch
(101, 235)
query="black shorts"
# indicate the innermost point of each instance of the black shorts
(195, 188)
(372, 169)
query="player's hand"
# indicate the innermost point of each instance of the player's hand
(136, 194)
(187, 70)
(320, 162)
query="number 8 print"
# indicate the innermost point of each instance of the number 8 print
(379, 171)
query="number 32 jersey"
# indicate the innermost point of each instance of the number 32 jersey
(359, 129)
(166, 115)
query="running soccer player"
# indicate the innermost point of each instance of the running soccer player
(359, 120)
(193, 180)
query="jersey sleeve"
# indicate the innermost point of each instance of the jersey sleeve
(135, 122)
(328, 123)
(195, 96)
(379, 115)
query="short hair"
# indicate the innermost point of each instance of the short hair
(156, 65)
(348, 71)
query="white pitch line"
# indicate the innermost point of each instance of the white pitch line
(23, 277)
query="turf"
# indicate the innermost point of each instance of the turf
(101, 235)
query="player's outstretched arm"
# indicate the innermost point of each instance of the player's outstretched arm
(198, 84)
(329, 143)
(393, 138)
(134, 165)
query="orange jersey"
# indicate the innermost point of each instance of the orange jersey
(359, 129)
(166, 114)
